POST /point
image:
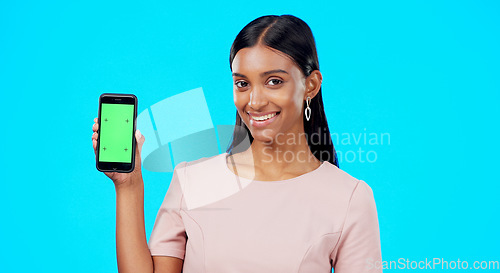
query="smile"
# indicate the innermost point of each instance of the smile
(264, 120)
(265, 117)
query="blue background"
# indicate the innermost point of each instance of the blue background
(426, 72)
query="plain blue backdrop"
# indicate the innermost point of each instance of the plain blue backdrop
(423, 72)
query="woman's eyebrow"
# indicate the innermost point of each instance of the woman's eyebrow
(262, 74)
(239, 75)
(273, 71)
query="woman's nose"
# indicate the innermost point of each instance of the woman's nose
(257, 98)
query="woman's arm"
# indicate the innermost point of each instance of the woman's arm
(131, 246)
(165, 264)
(132, 251)
(359, 249)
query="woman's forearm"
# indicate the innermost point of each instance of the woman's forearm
(131, 244)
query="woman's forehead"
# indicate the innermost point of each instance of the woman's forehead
(260, 58)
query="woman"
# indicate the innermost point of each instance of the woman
(281, 204)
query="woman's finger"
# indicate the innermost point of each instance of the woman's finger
(95, 126)
(140, 140)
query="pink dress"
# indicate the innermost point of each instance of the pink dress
(219, 222)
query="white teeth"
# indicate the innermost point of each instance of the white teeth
(264, 117)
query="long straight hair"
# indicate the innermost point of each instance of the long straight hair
(292, 36)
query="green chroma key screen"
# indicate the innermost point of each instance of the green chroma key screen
(115, 134)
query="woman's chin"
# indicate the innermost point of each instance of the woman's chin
(264, 135)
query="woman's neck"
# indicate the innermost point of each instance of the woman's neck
(288, 153)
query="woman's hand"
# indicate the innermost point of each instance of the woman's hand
(122, 179)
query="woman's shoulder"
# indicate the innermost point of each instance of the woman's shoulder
(349, 191)
(334, 175)
(201, 182)
(199, 164)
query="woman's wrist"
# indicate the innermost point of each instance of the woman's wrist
(133, 182)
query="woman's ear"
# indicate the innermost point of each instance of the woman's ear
(313, 84)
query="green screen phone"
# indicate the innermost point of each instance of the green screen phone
(117, 124)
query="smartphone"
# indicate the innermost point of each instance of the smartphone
(116, 140)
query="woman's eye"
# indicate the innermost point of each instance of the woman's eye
(275, 81)
(241, 84)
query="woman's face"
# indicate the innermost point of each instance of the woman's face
(268, 85)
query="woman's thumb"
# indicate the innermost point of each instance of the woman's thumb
(140, 140)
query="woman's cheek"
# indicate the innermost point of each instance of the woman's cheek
(239, 101)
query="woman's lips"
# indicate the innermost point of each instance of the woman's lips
(262, 123)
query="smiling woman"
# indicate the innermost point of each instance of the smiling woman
(280, 203)
(283, 49)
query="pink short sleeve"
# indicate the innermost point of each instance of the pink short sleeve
(359, 248)
(168, 237)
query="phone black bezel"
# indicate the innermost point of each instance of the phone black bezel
(117, 98)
